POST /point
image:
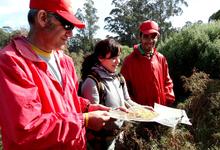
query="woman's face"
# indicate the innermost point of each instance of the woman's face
(110, 64)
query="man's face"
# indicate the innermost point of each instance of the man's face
(149, 41)
(57, 33)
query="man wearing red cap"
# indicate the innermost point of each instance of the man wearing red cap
(146, 70)
(39, 105)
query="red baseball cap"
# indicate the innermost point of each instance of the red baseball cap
(149, 26)
(61, 7)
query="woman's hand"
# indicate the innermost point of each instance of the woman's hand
(122, 108)
(94, 107)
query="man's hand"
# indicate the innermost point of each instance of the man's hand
(97, 119)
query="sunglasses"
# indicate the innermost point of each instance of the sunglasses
(66, 24)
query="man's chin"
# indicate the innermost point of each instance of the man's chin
(62, 47)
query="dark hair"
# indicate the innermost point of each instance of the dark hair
(102, 48)
(31, 15)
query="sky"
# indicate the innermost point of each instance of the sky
(13, 13)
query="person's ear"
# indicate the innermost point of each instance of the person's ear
(42, 18)
(158, 36)
(140, 35)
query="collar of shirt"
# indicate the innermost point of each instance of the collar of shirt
(41, 52)
(148, 54)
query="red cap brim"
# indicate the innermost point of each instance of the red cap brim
(71, 18)
(150, 31)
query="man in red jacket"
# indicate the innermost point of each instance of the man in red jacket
(39, 105)
(146, 70)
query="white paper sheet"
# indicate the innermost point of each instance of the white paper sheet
(170, 116)
(166, 116)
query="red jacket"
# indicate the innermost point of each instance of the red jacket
(36, 112)
(148, 80)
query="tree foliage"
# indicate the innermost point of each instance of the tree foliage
(125, 18)
(4, 37)
(215, 16)
(7, 33)
(84, 38)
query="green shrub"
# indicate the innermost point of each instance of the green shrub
(125, 52)
(78, 58)
(4, 38)
(193, 48)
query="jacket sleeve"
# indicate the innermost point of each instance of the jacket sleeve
(168, 83)
(21, 112)
(128, 101)
(89, 90)
(84, 102)
(125, 72)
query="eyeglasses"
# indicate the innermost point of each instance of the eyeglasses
(66, 24)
